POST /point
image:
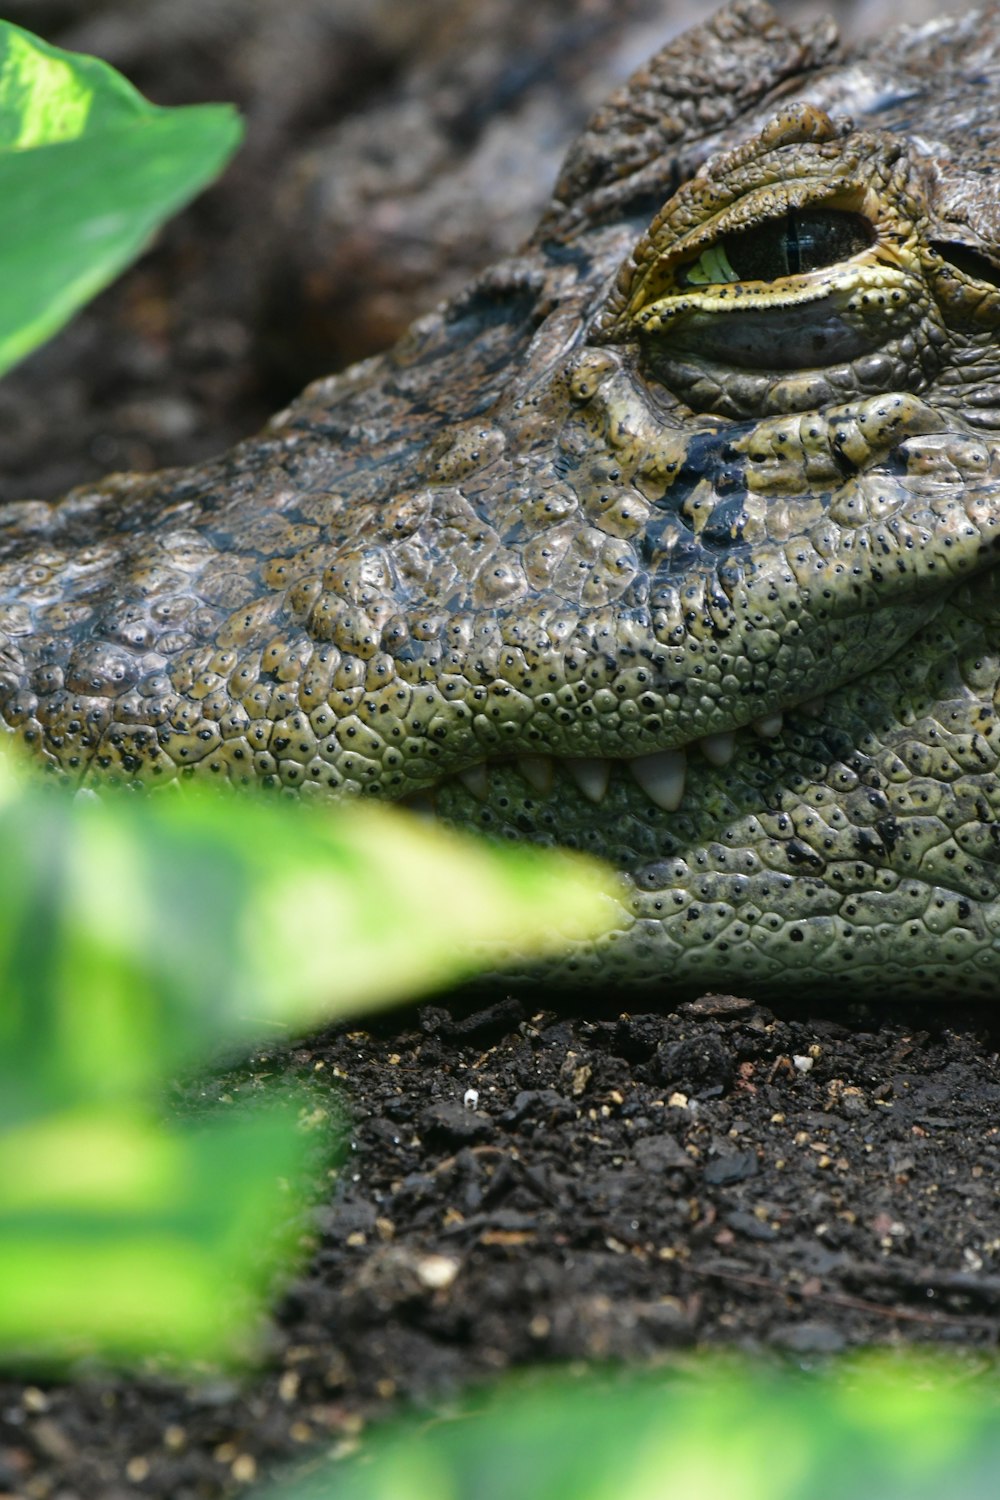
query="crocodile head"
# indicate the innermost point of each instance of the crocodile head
(670, 540)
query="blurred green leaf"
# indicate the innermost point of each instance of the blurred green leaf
(88, 171)
(120, 1234)
(897, 1430)
(139, 933)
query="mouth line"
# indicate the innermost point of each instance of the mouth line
(661, 775)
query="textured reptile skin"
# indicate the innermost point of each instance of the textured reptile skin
(626, 548)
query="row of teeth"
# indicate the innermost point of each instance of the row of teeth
(661, 775)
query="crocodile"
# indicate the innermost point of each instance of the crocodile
(671, 538)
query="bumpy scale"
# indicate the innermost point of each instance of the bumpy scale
(674, 541)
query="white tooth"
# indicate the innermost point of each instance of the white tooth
(476, 781)
(718, 749)
(591, 776)
(537, 771)
(768, 727)
(661, 777)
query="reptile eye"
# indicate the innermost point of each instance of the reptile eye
(803, 240)
(969, 262)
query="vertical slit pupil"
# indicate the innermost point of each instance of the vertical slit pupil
(793, 247)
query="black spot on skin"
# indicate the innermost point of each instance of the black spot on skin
(888, 831)
(728, 520)
(800, 854)
(868, 841)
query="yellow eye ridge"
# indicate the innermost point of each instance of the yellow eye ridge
(710, 269)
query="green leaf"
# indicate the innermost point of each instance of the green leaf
(139, 933)
(121, 1235)
(88, 171)
(900, 1430)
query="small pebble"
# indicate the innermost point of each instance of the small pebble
(436, 1272)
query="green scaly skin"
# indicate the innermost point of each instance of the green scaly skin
(629, 548)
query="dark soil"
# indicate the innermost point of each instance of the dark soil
(629, 1183)
(625, 1186)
